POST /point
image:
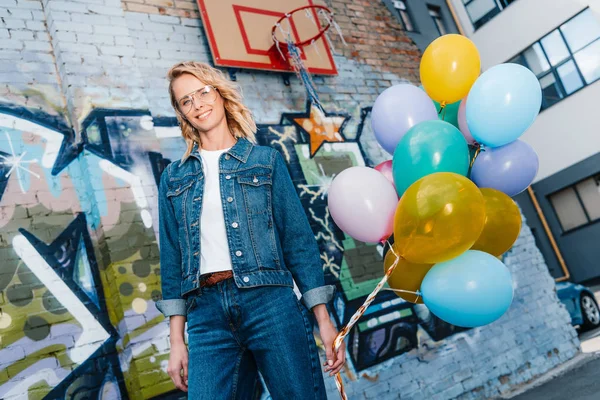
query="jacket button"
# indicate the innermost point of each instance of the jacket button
(255, 180)
(235, 225)
(228, 177)
(238, 253)
(227, 156)
(246, 279)
(229, 199)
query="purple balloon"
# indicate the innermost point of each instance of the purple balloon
(462, 122)
(510, 168)
(398, 109)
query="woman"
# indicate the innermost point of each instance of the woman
(233, 239)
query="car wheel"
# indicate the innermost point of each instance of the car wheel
(590, 312)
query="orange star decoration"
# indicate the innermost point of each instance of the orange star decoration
(321, 127)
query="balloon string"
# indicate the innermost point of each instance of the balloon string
(442, 108)
(417, 293)
(477, 151)
(442, 111)
(346, 329)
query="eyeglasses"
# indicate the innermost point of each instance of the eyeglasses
(205, 95)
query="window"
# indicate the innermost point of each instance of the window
(565, 60)
(481, 11)
(579, 204)
(405, 18)
(436, 14)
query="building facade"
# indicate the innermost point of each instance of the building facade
(560, 42)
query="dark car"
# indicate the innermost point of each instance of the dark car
(580, 303)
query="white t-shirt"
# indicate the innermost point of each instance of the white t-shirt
(214, 254)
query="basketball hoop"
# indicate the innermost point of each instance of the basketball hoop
(290, 47)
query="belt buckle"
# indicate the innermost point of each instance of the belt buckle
(204, 278)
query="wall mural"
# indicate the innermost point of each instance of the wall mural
(80, 265)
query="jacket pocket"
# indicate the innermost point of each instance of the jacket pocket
(257, 192)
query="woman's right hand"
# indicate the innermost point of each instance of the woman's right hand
(178, 362)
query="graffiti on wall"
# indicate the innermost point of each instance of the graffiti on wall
(80, 266)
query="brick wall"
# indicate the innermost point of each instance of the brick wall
(84, 106)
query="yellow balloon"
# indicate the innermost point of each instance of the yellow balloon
(439, 217)
(406, 276)
(449, 67)
(502, 223)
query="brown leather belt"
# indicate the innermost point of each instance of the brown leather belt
(214, 277)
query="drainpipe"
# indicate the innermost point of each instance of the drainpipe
(557, 252)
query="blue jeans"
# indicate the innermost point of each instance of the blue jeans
(235, 332)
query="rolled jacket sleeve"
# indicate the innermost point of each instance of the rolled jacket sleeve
(299, 246)
(170, 254)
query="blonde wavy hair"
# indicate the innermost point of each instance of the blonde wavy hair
(239, 118)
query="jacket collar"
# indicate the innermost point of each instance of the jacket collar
(240, 150)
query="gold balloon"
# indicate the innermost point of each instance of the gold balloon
(449, 67)
(502, 223)
(406, 276)
(439, 217)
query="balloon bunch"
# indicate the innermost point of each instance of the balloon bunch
(445, 194)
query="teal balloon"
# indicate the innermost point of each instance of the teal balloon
(473, 289)
(449, 113)
(429, 147)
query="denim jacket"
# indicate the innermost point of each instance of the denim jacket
(269, 236)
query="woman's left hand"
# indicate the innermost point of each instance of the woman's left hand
(335, 360)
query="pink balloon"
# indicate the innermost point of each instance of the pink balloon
(386, 169)
(362, 203)
(462, 122)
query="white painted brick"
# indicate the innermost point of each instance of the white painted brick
(32, 56)
(36, 25)
(95, 39)
(77, 48)
(37, 45)
(45, 78)
(21, 35)
(71, 27)
(111, 30)
(32, 5)
(118, 21)
(118, 50)
(156, 27)
(10, 54)
(71, 58)
(136, 16)
(141, 43)
(4, 33)
(135, 26)
(123, 41)
(165, 19)
(38, 15)
(8, 67)
(112, 3)
(11, 23)
(59, 5)
(103, 10)
(11, 44)
(15, 77)
(188, 30)
(146, 53)
(65, 37)
(15, 13)
(90, 19)
(143, 34)
(61, 16)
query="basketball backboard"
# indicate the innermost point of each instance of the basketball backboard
(239, 34)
